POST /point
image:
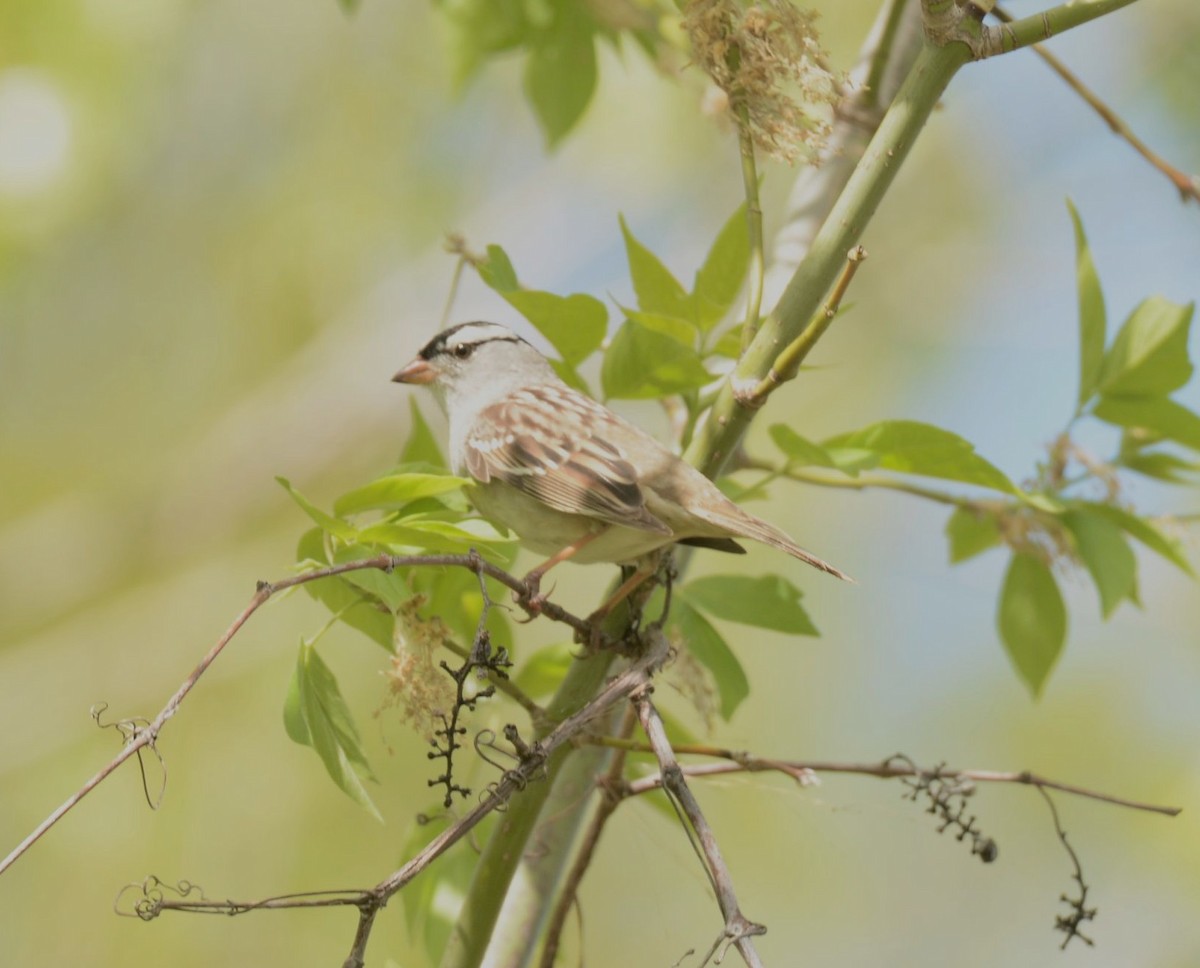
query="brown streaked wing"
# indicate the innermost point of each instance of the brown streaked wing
(548, 442)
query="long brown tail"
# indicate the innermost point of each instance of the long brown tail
(749, 526)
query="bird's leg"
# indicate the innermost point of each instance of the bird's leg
(531, 599)
(645, 569)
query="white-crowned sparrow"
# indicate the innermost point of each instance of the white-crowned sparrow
(569, 476)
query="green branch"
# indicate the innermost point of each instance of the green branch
(934, 68)
(1042, 26)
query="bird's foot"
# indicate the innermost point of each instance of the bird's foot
(530, 598)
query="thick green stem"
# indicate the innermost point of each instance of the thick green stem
(934, 68)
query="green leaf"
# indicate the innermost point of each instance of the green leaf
(720, 278)
(433, 901)
(711, 651)
(682, 331)
(386, 589)
(1141, 530)
(396, 491)
(851, 460)
(334, 526)
(1159, 415)
(729, 344)
(919, 448)
(452, 594)
(575, 325)
(768, 602)
(657, 290)
(421, 446)
(970, 533)
(1149, 354)
(644, 365)
(799, 451)
(316, 715)
(1161, 466)
(1092, 323)
(544, 671)
(1032, 620)
(431, 536)
(497, 270)
(560, 74)
(1106, 554)
(360, 611)
(480, 28)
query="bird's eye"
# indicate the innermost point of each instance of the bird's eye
(463, 350)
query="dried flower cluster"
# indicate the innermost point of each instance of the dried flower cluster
(767, 60)
(417, 685)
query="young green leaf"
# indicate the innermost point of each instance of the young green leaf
(657, 290)
(643, 365)
(480, 28)
(970, 533)
(1032, 619)
(396, 491)
(720, 278)
(387, 589)
(560, 75)
(432, 536)
(1156, 414)
(497, 270)
(729, 344)
(335, 526)
(353, 607)
(544, 671)
(421, 446)
(316, 715)
(711, 651)
(433, 901)
(767, 602)
(1149, 356)
(919, 448)
(1141, 530)
(1092, 323)
(575, 325)
(682, 331)
(1161, 466)
(799, 451)
(1106, 554)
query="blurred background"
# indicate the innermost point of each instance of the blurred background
(221, 231)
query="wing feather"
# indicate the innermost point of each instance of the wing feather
(549, 441)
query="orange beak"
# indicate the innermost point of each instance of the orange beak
(418, 371)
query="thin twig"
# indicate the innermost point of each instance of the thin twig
(739, 930)
(754, 228)
(147, 736)
(787, 363)
(806, 770)
(1187, 185)
(1080, 912)
(533, 762)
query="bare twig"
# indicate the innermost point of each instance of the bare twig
(805, 771)
(533, 759)
(147, 736)
(1069, 924)
(739, 930)
(1187, 185)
